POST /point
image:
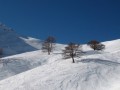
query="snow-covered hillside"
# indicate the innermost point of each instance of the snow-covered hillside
(93, 71)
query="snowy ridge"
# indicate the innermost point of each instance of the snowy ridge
(32, 42)
(93, 71)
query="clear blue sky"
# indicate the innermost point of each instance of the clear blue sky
(67, 20)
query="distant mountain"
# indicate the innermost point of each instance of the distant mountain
(12, 43)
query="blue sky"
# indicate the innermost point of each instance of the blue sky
(67, 20)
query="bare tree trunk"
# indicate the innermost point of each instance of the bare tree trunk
(51, 47)
(73, 60)
(48, 51)
(94, 48)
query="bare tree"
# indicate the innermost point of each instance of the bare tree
(100, 46)
(1, 52)
(96, 45)
(47, 45)
(72, 50)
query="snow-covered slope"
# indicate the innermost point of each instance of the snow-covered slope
(112, 46)
(19, 63)
(93, 71)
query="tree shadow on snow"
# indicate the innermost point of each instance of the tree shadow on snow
(100, 61)
(92, 52)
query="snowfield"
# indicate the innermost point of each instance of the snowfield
(93, 71)
(28, 68)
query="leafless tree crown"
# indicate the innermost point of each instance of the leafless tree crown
(47, 45)
(72, 50)
(96, 45)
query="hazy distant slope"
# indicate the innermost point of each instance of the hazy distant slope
(12, 43)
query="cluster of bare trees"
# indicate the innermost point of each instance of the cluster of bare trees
(72, 50)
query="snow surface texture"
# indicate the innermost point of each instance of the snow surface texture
(35, 70)
(93, 71)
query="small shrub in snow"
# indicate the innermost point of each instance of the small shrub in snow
(96, 45)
